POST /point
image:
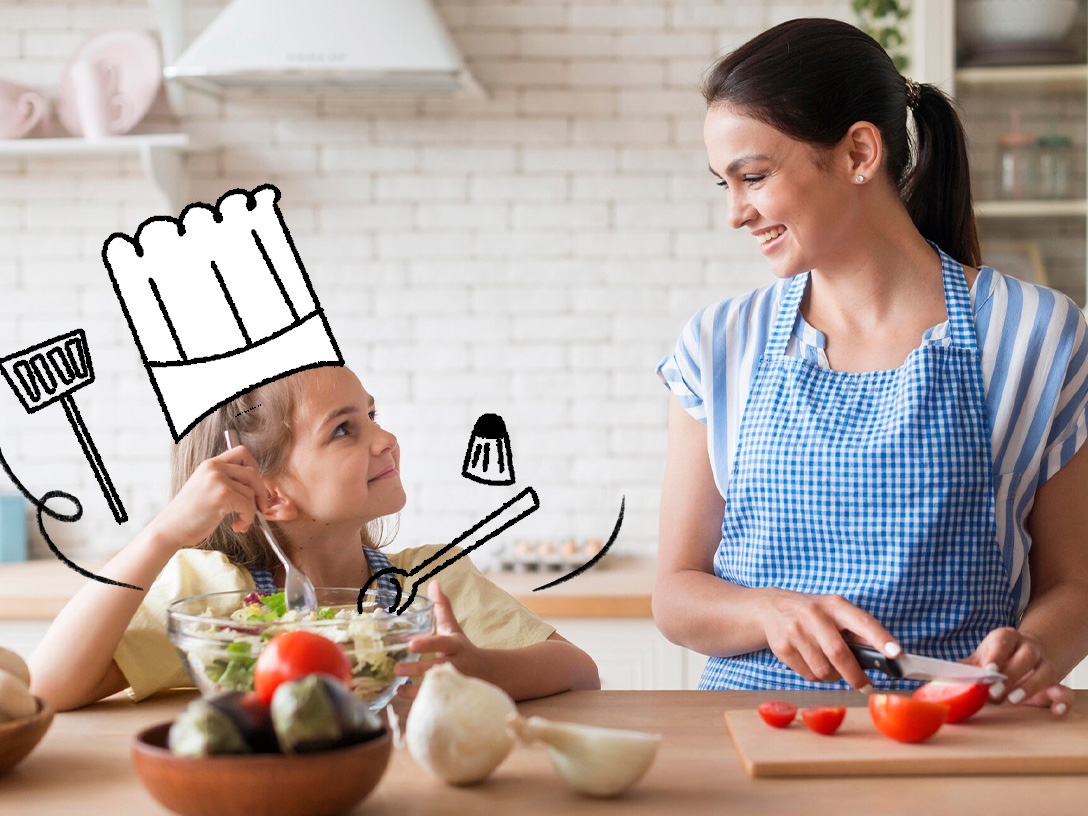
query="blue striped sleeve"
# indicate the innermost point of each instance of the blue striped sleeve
(681, 371)
(1069, 429)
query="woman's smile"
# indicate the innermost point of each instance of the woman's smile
(385, 474)
(767, 247)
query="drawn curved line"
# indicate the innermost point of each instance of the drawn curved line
(589, 564)
(40, 504)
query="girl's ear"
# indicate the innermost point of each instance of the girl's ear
(282, 508)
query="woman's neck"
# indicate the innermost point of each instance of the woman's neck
(885, 274)
(329, 557)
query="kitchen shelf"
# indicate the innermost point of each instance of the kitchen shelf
(160, 154)
(1032, 209)
(1044, 77)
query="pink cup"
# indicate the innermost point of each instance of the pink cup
(20, 110)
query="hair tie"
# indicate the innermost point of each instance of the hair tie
(914, 93)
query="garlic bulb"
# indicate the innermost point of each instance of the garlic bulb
(595, 761)
(16, 701)
(13, 664)
(456, 728)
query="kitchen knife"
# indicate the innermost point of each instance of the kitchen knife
(916, 667)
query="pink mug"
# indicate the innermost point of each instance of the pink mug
(20, 110)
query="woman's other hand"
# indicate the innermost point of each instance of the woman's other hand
(806, 633)
(224, 484)
(1030, 678)
(449, 644)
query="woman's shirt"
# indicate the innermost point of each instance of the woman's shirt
(490, 617)
(1033, 344)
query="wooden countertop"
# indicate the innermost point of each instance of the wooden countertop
(615, 588)
(82, 767)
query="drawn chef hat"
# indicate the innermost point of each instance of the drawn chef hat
(218, 302)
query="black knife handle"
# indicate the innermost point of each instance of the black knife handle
(870, 658)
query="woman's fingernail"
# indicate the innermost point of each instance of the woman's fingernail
(991, 667)
(996, 690)
(1016, 695)
(1060, 709)
(892, 649)
(866, 689)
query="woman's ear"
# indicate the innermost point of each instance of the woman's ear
(864, 150)
(281, 506)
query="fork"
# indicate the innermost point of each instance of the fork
(298, 591)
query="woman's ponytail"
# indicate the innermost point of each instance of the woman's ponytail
(937, 189)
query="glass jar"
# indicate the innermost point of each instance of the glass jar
(1055, 166)
(1016, 163)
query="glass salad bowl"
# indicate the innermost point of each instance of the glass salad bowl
(220, 635)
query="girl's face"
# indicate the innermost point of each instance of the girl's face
(771, 180)
(344, 468)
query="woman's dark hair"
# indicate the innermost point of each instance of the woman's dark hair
(812, 78)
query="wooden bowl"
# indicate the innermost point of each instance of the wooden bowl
(317, 784)
(18, 737)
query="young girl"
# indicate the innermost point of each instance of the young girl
(315, 461)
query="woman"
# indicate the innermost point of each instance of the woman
(881, 446)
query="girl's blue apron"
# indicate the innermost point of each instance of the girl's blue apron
(262, 578)
(876, 486)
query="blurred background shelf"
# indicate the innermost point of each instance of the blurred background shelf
(1031, 209)
(1041, 77)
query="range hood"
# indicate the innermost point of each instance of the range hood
(390, 46)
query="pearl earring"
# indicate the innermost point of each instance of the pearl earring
(859, 178)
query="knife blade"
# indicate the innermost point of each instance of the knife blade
(917, 667)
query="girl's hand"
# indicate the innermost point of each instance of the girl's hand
(450, 644)
(1032, 679)
(806, 633)
(224, 484)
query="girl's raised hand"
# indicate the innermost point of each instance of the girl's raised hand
(224, 484)
(806, 633)
(1031, 678)
(449, 643)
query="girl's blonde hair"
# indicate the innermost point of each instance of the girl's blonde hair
(264, 421)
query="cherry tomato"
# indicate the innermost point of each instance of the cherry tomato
(904, 718)
(824, 719)
(293, 655)
(777, 713)
(963, 699)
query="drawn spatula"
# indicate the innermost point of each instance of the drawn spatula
(52, 371)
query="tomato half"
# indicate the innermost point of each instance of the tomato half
(293, 655)
(904, 718)
(963, 699)
(824, 719)
(777, 713)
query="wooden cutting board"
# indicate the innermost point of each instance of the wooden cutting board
(1000, 739)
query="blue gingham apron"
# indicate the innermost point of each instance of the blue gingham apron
(877, 486)
(262, 578)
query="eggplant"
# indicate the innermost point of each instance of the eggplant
(232, 723)
(318, 713)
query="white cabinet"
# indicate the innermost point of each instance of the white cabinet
(632, 654)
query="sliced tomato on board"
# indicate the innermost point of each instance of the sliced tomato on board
(777, 713)
(963, 699)
(824, 719)
(906, 719)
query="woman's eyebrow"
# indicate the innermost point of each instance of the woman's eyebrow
(739, 162)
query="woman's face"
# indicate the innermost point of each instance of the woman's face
(344, 467)
(771, 180)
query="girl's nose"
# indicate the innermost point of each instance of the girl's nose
(383, 441)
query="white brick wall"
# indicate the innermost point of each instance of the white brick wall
(533, 254)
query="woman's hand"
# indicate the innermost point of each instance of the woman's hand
(450, 645)
(224, 484)
(806, 633)
(1031, 678)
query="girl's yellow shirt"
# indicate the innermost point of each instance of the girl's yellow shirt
(491, 618)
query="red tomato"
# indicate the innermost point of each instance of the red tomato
(293, 655)
(777, 713)
(904, 718)
(963, 699)
(824, 719)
